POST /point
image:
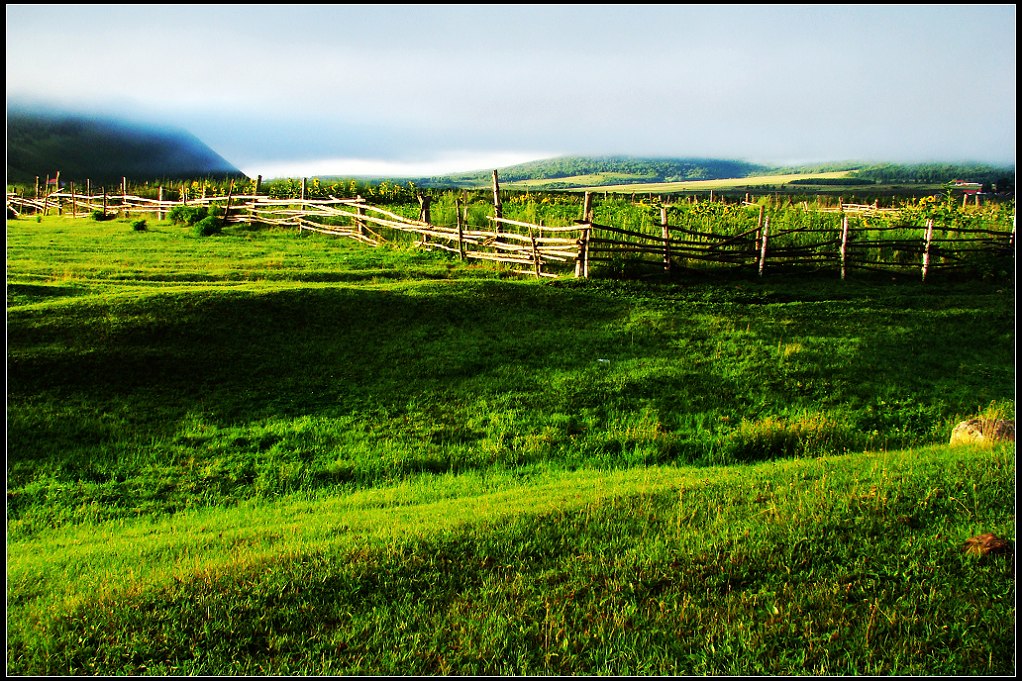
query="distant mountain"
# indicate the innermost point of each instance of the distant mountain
(104, 150)
(567, 172)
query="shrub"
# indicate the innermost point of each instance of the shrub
(208, 226)
(100, 216)
(139, 226)
(188, 215)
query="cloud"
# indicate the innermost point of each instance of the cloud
(270, 84)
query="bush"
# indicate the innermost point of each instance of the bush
(188, 215)
(100, 216)
(208, 226)
(139, 226)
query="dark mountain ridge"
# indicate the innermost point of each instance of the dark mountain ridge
(102, 150)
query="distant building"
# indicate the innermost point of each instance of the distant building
(969, 188)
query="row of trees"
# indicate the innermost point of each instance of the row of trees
(1000, 180)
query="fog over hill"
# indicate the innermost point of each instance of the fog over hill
(101, 149)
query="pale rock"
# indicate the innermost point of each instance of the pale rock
(983, 431)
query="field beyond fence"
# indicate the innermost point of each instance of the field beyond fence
(927, 237)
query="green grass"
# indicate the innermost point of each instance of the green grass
(751, 182)
(273, 452)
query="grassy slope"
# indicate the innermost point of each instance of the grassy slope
(620, 183)
(268, 452)
(842, 565)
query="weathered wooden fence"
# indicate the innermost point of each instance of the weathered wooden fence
(854, 238)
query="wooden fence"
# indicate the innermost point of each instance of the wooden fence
(853, 239)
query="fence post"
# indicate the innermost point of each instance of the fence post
(56, 185)
(255, 200)
(227, 208)
(104, 202)
(535, 254)
(763, 245)
(74, 203)
(582, 259)
(585, 251)
(844, 243)
(926, 247)
(424, 215)
(498, 209)
(461, 229)
(587, 207)
(159, 205)
(359, 222)
(666, 232)
(124, 197)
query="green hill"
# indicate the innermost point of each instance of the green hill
(568, 172)
(587, 172)
(104, 150)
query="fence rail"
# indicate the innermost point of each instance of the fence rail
(555, 251)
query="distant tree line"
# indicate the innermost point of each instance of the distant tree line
(647, 169)
(812, 168)
(833, 181)
(1000, 179)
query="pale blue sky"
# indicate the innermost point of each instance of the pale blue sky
(420, 89)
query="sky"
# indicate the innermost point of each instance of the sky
(284, 90)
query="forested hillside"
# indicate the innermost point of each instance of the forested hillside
(104, 150)
(1000, 179)
(608, 170)
(572, 172)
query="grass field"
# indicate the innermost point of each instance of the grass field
(269, 452)
(621, 183)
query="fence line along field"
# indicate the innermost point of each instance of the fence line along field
(928, 236)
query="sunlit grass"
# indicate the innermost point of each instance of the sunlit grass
(831, 566)
(703, 185)
(267, 452)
